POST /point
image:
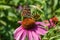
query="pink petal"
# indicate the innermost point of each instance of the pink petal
(41, 31)
(18, 35)
(35, 36)
(51, 22)
(19, 22)
(46, 23)
(24, 35)
(30, 35)
(40, 23)
(17, 30)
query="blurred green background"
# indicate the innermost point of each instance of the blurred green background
(10, 14)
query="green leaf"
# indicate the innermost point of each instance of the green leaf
(3, 1)
(58, 17)
(58, 10)
(11, 14)
(55, 3)
(54, 37)
(41, 1)
(37, 8)
(57, 39)
(42, 17)
(2, 14)
(1, 27)
(4, 7)
(16, 2)
(11, 18)
(58, 27)
(3, 22)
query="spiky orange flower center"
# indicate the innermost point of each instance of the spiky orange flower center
(28, 23)
(55, 19)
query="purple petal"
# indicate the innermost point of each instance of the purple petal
(19, 7)
(40, 23)
(18, 36)
(17, 30)
(41, 31)
(30, 35)
(24, 35)
(35, 36)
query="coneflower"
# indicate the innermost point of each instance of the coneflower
(29, 28)
(51, 22)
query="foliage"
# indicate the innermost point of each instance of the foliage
(10, 14)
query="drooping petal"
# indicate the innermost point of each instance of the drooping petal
(18, 35)
(35, 36)
(30, 35)
(24, 35)
(41, 31)
(46, 23)
(41, 23)
(19, 22)
(17, 30)
(51, 23)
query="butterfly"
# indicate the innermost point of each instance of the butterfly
(26, 11)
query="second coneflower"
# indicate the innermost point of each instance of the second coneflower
(31, 29)
(52, 22)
